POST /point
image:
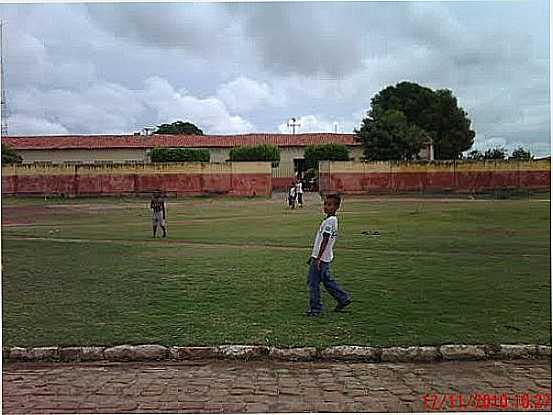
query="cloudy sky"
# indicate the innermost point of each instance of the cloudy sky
(248, 67)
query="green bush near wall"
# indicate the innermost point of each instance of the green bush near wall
(263, 152)
(160, 155)
(314, 154)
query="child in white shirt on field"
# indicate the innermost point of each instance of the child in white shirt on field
(299, 193)
(321, 257)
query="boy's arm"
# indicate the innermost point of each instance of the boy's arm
(324, 243)
(163, 207)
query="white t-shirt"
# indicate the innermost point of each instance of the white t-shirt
(299, 188)
(329, 225)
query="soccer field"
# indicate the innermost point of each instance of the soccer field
(232, 271)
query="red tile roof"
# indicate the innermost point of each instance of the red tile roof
(62, 142)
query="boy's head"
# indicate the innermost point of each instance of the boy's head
(332, 203)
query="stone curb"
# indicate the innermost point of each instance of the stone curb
(155, 352)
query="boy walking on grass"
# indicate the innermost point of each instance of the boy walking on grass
(321, 257)
(157, 205)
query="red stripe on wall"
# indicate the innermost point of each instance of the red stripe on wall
(467, 181)
(535, 179)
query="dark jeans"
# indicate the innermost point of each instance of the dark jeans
(314, 280)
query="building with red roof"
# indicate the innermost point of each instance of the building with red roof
(135, 148)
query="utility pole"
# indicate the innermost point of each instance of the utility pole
(3, 109)
(293, 125)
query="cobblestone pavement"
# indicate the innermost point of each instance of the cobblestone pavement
(269, 386)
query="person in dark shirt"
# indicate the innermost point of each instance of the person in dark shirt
(157, 205)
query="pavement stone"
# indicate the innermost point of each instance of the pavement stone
(264, 386)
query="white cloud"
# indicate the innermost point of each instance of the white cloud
(244, 94)
(210, 114)
(26, 125)
(110, 108)
(311, 124)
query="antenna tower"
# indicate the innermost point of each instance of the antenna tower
(293, 125)
(3, 109)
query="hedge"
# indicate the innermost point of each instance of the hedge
(314, 154)
(160, 155)
(263, 152)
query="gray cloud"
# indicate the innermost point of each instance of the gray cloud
(244, 67)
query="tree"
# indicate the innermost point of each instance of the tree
(179, 127)
(315, 153)
(521, 153)
(474, 155)
(435, 112)
(10, 156)
(498, 153)
(388, 136)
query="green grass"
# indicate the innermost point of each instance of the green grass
(233, 272)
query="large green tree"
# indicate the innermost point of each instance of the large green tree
(435, 112)
(10, 156)
(389, 137)
(179, 127)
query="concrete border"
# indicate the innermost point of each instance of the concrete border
(153, 352)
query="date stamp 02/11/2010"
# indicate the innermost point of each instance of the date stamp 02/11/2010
(485, 401)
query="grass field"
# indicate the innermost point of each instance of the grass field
(232, 271)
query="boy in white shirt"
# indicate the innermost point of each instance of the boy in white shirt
(299, 193)
(321, 257)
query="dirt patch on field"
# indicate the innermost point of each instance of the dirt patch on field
(30, 215)
(23, 215)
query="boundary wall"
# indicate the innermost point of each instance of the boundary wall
(238, 179)
(435, 176)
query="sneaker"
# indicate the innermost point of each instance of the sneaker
(340, 306)
(312, 314)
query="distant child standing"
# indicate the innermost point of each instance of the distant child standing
(292, 196)
(157, 204)
(321, 257)
(299, 193)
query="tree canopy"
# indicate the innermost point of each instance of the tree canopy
(390, 137)
(435, 114)
(521, 153)
(179, 127)
(10, 156)
(497, 153)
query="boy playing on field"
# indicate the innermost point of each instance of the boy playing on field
(299, 192)
(157, 205)
(321, 257)
(292, 196)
